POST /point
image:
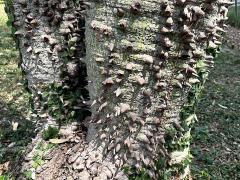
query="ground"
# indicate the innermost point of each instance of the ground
(16, 129)
(215, 138)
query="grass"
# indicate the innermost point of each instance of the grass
(40, 151)
(234, 20)
(14, 99)
(216, 137)
(3, 16)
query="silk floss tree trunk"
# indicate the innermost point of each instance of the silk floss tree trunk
(50, 37)
(146, 63)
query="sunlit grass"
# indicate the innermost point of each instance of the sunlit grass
(3, 16)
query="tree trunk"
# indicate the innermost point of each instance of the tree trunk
(236, 9)
(50, 37)
(146, 63)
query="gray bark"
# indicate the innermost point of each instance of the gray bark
(50, 36)
(142, 59)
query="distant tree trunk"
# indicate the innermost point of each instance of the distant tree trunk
(236, 9)
(146, 63)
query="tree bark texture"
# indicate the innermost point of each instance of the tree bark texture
(50, 37)
(146, 62)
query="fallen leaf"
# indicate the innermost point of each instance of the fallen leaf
(58, 141)
(14, 126)
(4, 167)
(223, 107)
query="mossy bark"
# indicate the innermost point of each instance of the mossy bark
(147, 61)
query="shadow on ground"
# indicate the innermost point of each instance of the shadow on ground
(15, 133)
(16, 129)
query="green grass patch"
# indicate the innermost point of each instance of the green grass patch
(215, 137)
(40, 152)
(50, 133)
(3, 15)
(28, 174)
(234, 20)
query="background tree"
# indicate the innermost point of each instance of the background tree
(236, 8)
(146, 62)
